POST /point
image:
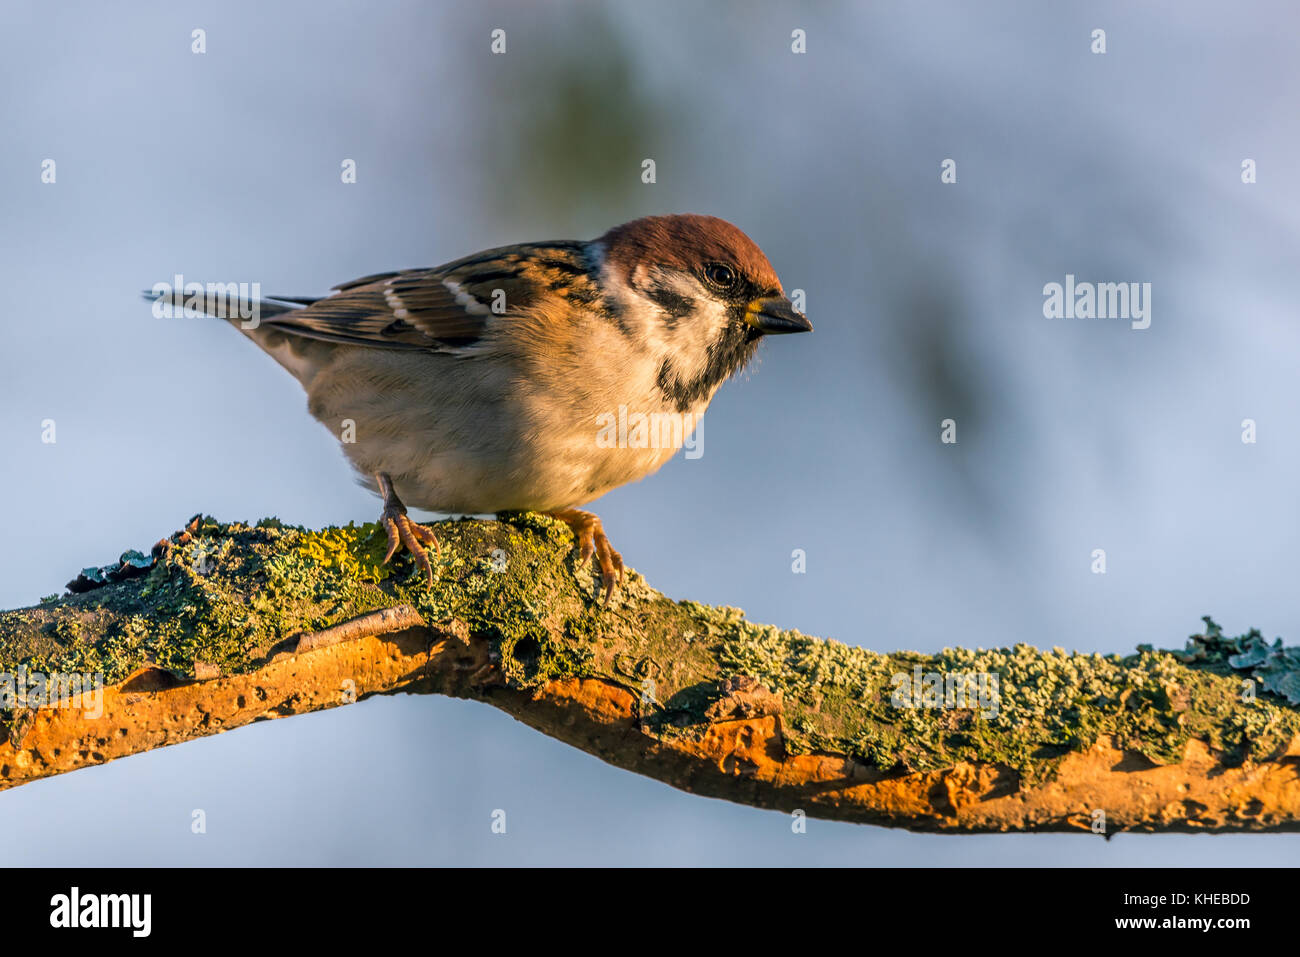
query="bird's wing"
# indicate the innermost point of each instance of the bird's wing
(449, 308)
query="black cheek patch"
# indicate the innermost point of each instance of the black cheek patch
(674, 306)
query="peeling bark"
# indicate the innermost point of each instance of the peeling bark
(232, 624)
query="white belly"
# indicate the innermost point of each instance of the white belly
(441, 429)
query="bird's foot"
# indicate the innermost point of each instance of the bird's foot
(593, 545)
(402, 531)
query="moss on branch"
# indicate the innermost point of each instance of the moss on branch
(227, 601)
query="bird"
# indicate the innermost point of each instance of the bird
(478, 386)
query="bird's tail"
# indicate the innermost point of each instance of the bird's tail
(238, 302)
(245, 308)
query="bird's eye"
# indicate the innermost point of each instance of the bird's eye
(724, 277)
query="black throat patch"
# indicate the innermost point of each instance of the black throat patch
(727, 355)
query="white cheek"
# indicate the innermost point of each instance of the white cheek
(638, 314)
(690, 336)
(687, 338)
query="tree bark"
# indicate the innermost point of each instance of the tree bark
(226, 624)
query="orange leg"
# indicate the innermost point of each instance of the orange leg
(402, 531)
(594, 545)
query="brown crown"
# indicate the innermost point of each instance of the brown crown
(687, 242)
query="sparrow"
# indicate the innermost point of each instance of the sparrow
(479, 386)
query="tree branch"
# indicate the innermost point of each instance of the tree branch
(227, 624)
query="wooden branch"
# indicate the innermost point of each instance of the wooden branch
(227, 624)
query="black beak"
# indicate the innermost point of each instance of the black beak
(776, 316)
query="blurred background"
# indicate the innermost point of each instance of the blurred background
(927, 300)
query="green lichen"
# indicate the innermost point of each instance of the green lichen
(1044, 704)
(229, 595)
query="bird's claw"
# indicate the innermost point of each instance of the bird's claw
(594, 546)
(404, 532)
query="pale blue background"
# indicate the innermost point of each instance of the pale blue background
(927, 302)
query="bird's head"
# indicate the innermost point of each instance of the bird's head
(698, 291)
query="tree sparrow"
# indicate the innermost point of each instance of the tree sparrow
(478, 386)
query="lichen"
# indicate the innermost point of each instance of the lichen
(1276, 668)
(841, 699)
(227, 595)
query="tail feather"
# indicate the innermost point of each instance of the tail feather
(222, 303)
(301, 357)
